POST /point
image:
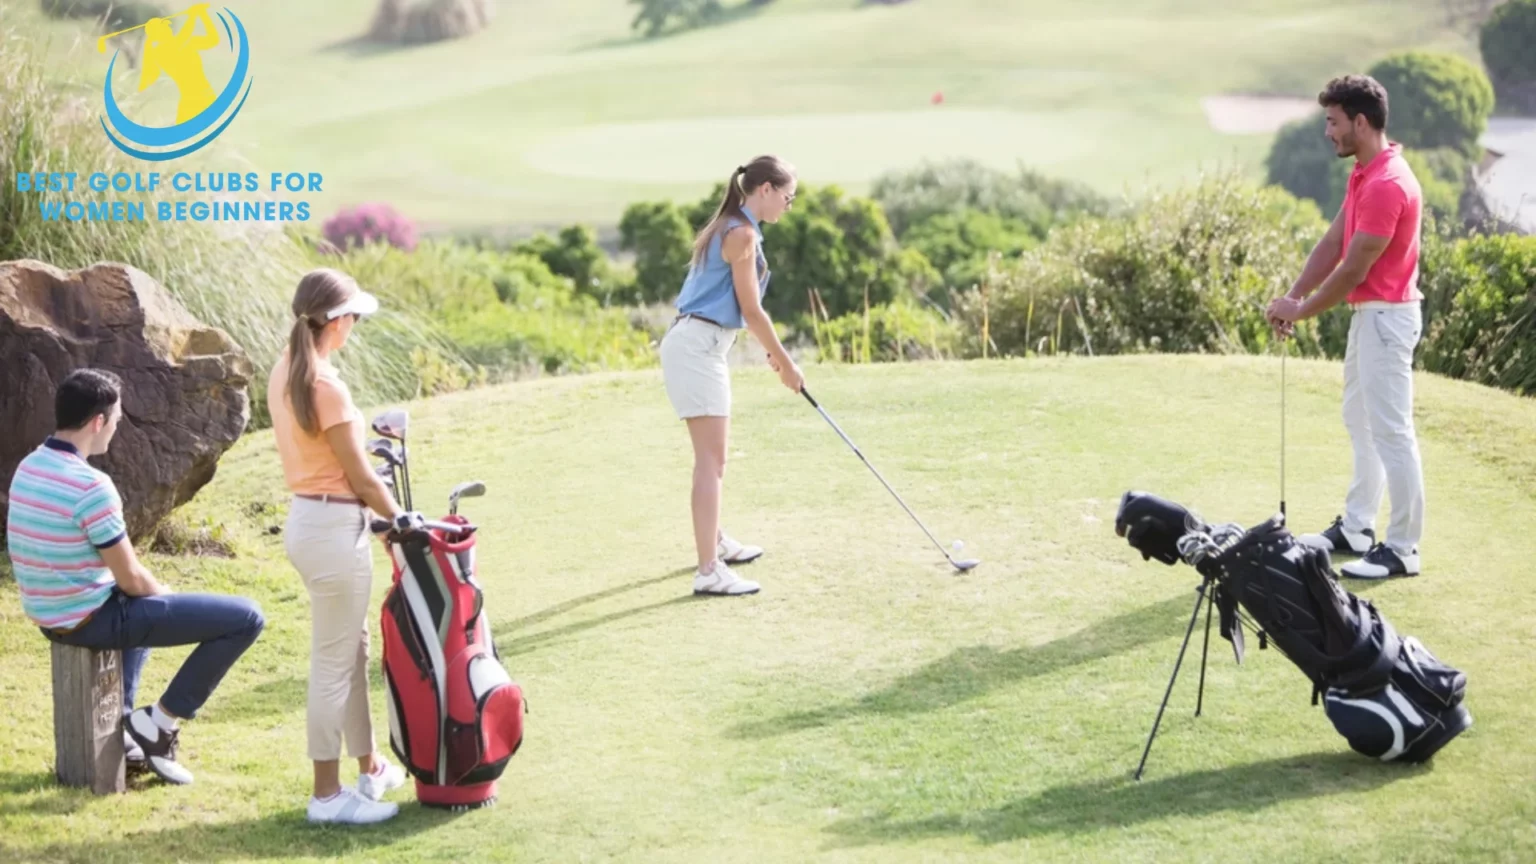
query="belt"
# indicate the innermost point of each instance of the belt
(330, 499)
(700, 318)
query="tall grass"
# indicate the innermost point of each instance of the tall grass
(238, 277)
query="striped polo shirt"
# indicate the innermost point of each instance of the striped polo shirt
(62, 513)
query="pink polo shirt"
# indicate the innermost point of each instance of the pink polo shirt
(1384, 199)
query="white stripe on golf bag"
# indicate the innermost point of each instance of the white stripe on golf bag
(434, 646)
(394, 720)
(1392, 722)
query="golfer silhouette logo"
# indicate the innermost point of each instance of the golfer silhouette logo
(175, 55)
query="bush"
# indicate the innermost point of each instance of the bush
(1507, 41)
(658, 235)
(370, 223)
(894, 331)
(957, 185)
(831, 242)
(574, 253)
(506, 312)
(957, 244)
(1480, 296)
(1188, 271)
(1302, 161)
(1443, 176)
(239, 278)
(1435, 100)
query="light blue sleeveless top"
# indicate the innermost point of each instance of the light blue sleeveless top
(709, 291)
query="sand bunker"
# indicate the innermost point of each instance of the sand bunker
(1255, 115)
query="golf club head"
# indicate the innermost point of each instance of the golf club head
(384, 450)
(965, 565)
(392, 424)
(386, 473)
(472, 489)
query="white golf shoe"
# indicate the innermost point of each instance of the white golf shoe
(732, 552)
(722, 582)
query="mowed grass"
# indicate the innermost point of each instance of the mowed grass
(558, 112)
(870, 704)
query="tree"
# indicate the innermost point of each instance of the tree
(1435, 100)
(1508, 43)
(659, 236)
(656, 16)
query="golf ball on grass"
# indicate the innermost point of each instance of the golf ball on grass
(958, 545)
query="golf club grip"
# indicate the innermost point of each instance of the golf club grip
(807, 394)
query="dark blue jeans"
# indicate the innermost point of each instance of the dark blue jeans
(221, 626)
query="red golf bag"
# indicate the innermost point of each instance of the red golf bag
(455, 716)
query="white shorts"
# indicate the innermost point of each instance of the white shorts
(694, 367)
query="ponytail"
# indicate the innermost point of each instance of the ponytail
(302, 362)
(319, 292)
(763, 169)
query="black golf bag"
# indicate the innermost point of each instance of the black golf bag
(1385, 693)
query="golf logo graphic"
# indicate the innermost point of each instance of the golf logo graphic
(176, 55)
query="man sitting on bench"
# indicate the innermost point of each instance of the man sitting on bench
(82, 585)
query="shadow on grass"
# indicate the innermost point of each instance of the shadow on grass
(279, 835)
(512, 645)
(48, 797)
(972, 672)
(574, 602)
(1110, 804)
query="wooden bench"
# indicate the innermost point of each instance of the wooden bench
(88, 718)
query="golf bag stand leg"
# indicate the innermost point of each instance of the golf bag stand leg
(1202, 595)
(1205, 652)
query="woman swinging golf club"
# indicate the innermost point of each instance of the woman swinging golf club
(722, 294)
(320, 437)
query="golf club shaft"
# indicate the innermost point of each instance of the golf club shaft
(405, 472)
(872, 470)
(1284, 350)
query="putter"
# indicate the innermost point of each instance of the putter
(472, 489)
(392, 424)
(961, 565)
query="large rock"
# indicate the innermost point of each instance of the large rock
(185, 400)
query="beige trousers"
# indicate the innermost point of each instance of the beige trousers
(329, 544)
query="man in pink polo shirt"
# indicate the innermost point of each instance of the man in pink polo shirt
(1370, 259)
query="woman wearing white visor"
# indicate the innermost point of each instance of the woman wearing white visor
(320, 438)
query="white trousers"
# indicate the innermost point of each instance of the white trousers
(329, 544)
(1378, 412)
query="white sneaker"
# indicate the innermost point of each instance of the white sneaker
(732, 552)
(347, 807)
(373, 786)
(158, 747)
(133, 754)
(722, 582)
(1383, 562)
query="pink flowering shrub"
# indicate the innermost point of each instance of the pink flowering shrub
(366, 223)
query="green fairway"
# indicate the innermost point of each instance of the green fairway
(557, 113)
(869, 705)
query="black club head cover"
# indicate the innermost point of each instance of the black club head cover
(1153, 525)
